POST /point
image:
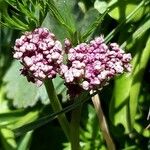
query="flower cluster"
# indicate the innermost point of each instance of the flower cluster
(92, 65)
(40, 53)
(89, 66)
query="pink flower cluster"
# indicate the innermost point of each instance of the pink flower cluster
(92, 65)
(89, 66)
(40, 53)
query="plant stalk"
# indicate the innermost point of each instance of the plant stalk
(55, 103)
(75, 128)
(103, 123)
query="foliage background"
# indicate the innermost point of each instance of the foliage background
(125, 101)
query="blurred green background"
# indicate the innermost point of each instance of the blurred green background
(26, 118)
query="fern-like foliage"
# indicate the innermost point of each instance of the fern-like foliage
(23, 14)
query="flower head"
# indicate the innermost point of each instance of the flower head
(92, 65)
(40, 53)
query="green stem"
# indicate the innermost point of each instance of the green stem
(103, 123)
(55, 103)
(74, 128)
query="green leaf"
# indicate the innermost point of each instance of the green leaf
(119, 111)
(8, 139)
(144, 26)
(138, 76)
(124, 21)
(3, 6)
(24, 144)
(11, 2)
(51, 23)
(92, 20)
(25, 119)
(47, 118)
(101, 6)
(89, 18)
(22, 92)
(24, 15)
(90, 130)
(66, 10)
(12, 23)
(3, 102)
(23, 9)
(61, 12)
(124, 102)
(119, 105)
(123, 8)
(10, 117)
(141, 130)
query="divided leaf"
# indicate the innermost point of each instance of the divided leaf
(24, 93)
(18, 89)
